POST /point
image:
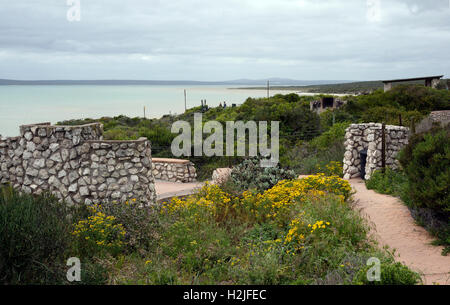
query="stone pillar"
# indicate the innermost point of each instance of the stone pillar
(362, 136)
(435, 82)
(387, 87)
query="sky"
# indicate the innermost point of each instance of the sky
(218, 40)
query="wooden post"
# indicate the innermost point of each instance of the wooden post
(268, 89)
(185, 108)
(144, 112)
(400, 119)
(383, 148)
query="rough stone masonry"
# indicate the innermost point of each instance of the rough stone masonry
(369, 136)
(174, 170)
(76, 165)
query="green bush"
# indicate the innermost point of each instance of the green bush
(391, 183)
(34, 235)
(426, 161)
(250, 175)
(331, 117)
(140, 224)
(306, 160)
(391, 274)
(335, 134)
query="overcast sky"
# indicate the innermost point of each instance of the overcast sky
(225, 39)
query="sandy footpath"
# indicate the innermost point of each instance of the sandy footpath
(165, 189)
(395, 227)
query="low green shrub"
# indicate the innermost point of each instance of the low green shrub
(391, 274)
(140, 224)
(391, 183)
(426, 162)
(306, 160)
(250, 175)
(98, 235)
(34, 237)
(334, 134)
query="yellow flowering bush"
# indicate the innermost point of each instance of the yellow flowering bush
(99, 233)
(274, 204)
(299, 233)
(210, 198)
(277, 203)
(295, 236)
(318, 225)
(334, 168)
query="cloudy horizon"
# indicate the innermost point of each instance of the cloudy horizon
(225, 40)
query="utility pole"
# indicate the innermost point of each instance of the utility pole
(383, 148)
(268, 89)
(144, 112)
(185, 108)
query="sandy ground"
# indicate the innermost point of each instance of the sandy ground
(165, 189)
(395, 228)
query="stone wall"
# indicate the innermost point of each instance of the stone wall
(436, 118)
(368, 136)
(76, 165)
(174, 170)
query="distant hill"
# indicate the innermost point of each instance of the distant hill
(344, 88)
(239, 82)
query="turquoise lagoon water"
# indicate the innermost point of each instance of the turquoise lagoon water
(21, 105)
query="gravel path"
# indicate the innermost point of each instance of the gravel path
(395, 227)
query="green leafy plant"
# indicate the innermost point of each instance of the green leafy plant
(426, 162)
(391, 274)
(34, 237)
(391, 183)
(250, 175)
(140, 223)
(99, 234)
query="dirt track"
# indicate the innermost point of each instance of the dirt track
(395, 227)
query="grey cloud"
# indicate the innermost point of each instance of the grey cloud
(194, 39)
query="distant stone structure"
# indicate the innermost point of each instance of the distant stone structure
(367, 138)
(430, 81)
(439, 118)
(326, 103)
(174, 170)
(76, 165)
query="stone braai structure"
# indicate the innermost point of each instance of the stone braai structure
(368, 136)
(76, 165)
(174, 170)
